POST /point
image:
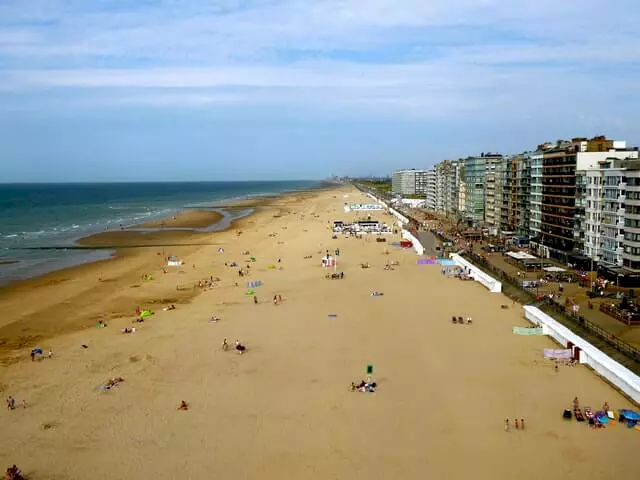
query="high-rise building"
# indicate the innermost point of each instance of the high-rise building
(410, 182)
(430, 190)
(565, 195)
(447, 186)
(479, 177)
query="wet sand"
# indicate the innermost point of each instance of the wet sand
(284, 409)
(185, 219)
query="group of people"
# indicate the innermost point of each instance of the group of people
(13, 473)
(38, 353)
(11, 403)
(239, 347)
(519, 425)
(364, 386)
(461, 320)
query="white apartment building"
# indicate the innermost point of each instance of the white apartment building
(462, 196)
(631, 248)
(446, 186)
(606, 204)
(430, 191)
(410, 182)
(535, 198)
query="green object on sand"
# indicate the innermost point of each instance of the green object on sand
(253, 259)
(527, 330)
(250, 292)
(146, 313)
(369, 369)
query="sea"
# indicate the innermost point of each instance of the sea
(39, 222)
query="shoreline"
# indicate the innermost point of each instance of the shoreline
(438, 384)
(128, 260)
(199, 219)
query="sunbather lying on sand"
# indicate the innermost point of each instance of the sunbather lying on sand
(364, 386)
(113, 382)
(183, 406)
(129, 330)
(240, 348)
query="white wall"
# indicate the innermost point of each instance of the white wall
(623, 378)
(478, 275)
(399, 216)
(416, 243)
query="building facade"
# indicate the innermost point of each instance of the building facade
(430, 190)
(410, 182)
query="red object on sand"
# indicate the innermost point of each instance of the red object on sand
(406, 243)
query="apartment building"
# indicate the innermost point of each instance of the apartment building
(447, 186)
(410, 182)
(430, 190)
(631, 245)
(535, 193)
(565, 214)
(480, 189)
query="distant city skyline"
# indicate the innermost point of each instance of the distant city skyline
(287, 89)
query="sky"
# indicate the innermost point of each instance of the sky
(117, 90)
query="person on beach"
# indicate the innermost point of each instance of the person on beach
(13, 473)
(606, 407)
(255, 299)
(240, 348)
(183, 406)
(506, 425)
(11, 403)
(522, 423)
(50, 354)
(225, 345)
(517, 424)
(275, 299)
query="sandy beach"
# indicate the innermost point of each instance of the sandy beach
(284, 409)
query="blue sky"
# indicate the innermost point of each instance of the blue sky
(286, 89)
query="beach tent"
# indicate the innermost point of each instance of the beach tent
(146, 313)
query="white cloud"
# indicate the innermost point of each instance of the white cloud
(411, 54)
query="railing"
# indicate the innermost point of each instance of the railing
(622, 316)
(558, 311)
(577, 323)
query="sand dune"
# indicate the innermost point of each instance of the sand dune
(284, 410)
